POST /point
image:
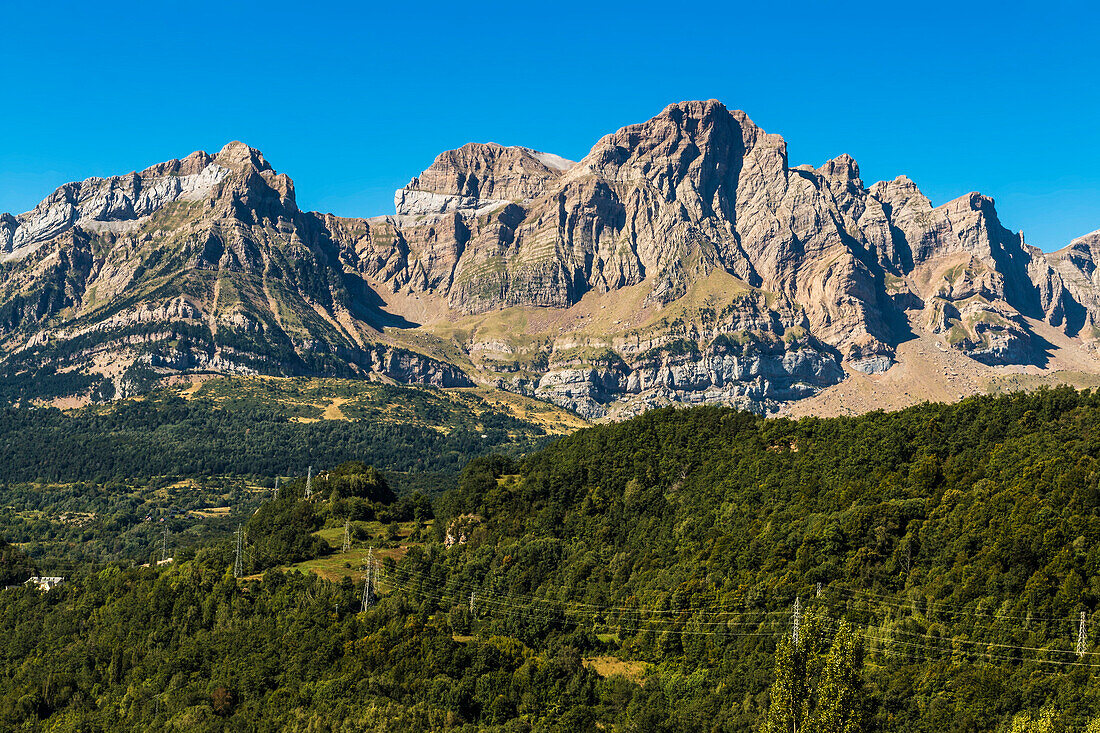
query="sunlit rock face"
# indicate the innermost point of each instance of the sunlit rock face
(682, 260)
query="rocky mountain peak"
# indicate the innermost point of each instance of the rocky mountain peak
(900, 188)
(1087, 243)
(843, 167)
(194, 163)
(477, 176)
(686, 140)
(239, 157)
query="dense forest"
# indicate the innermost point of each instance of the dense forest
(701, 569)
(258, 428)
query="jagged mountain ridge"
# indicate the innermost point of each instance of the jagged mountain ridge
(204, 263)
(681, 260)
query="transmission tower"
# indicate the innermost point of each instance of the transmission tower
(1082, 638)
(238, 563)
(796, 619)
(368, 582)
(347, 535)
(473, 599)
(164, 546)
(309, 483)
(818, 589)
(276, 487)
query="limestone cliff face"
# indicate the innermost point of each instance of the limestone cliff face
(683, 259)
(701, 189)
(200, 264)
(477, 177)
(1068, 287)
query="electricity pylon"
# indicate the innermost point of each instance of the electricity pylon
(238, 563)
(368, 582)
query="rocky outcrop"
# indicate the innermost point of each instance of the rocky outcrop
(700, 188)
(110, 204)
(199, 264)
(479, 177)
(1069, 287)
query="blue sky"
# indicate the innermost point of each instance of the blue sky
(353, 99)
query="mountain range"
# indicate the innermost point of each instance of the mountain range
(682, 261)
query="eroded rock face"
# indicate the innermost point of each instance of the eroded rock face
(696, 189)
(700, 188)
(199, 264)
(1068, 286)
(106, 204)
(478, 177)
(774, 278)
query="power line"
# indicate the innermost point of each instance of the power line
(444, 590)
(556, 610)
(934, 607)
(602, 608)
(544, 609)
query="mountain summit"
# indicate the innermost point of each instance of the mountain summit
(682, 260)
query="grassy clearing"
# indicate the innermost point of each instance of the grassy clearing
(337, 566)
(606, 666)
(352, 564)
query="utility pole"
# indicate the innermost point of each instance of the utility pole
(309, 483)
(368, 582)
(797, 619)
(238, 564)
(347, 535)
(1082, 638)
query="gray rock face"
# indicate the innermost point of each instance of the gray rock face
(109, 204)
(734, 277)
(757, 376)
(700, 189)
(1068, 286)
(479, 177)
(200, 264)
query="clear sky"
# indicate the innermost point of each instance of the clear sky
(352, 99)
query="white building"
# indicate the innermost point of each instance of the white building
(42, 582)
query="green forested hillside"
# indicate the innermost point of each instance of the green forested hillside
(940, 558)
(264, 427)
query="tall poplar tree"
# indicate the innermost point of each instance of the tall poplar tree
(790, 693)
(840, 693)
